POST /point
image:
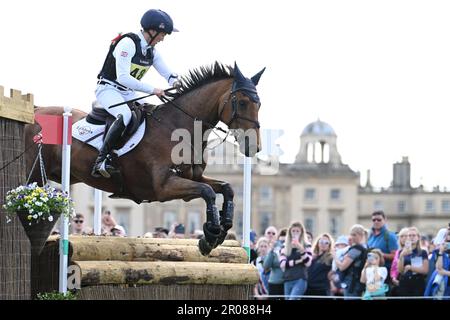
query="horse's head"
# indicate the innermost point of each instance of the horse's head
(240, 112)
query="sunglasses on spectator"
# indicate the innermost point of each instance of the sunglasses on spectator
(270, 232)
(78, 221)
(377, 220)
(324, 242)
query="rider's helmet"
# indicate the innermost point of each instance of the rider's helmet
(157, 20)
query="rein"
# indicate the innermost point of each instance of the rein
(177, 106)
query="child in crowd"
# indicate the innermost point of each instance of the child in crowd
(341, 247)
(374, 274)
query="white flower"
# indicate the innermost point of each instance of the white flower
(38, 203)
(35, 216)
(26, 205)
(31, 210)
(40, 214)
(45, 199)
(9, 203)
(50, 218)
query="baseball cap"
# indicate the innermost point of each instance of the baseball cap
(342, 240)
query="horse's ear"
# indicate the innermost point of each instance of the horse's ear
(237, 73)
(255, 78)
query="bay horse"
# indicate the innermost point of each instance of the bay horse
(209, 94)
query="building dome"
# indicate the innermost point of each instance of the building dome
(318, 128)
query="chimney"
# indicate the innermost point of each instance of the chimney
(402, 175)
(368, 182)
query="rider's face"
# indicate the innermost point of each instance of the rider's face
(159, 37)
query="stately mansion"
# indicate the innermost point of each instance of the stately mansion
(317, 189)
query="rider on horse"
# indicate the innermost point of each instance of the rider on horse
(129, 57)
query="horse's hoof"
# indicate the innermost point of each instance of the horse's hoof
(221, 238)
(204, 247)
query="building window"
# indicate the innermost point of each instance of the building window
(335, 226)
(335, 194)
(401, 206)
(193, 222)
(377, 205)
(122, 216)
(429, 206)
(264, 218)
(266, 193)
(169, 219)
(310, 194)
(445, 205)
(310, 224)
(335, 222)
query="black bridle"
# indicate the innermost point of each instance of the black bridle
(234, 109)
(234, 115)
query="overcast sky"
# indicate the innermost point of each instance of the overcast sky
(377, 71)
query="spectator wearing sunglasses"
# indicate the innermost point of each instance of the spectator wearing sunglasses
(78, 224)
(272, 264)
(383, 239)
(320, 269)
(412, 266)
(271, 235)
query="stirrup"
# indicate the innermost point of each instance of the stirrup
(103, 169)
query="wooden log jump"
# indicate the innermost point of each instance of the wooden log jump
(143, 268)
(148, 249)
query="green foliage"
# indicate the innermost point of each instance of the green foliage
(55, 295)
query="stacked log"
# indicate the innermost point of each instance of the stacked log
(148, 249)
(143, 268)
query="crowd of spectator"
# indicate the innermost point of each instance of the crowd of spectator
(364, 264)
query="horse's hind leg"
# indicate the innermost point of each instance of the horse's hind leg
(227, 212)
(179, 188)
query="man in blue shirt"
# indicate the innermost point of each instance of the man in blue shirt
(383, 239)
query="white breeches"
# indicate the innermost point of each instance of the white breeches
(108, 95)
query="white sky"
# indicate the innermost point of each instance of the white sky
(377, 71)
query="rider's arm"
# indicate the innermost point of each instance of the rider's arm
(123, 53)
(162, 68)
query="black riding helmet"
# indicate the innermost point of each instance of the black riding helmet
(157, 20)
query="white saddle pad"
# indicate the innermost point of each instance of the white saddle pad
(93, 134)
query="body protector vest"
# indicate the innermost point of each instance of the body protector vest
(140, 63)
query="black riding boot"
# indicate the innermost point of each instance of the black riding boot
(101, 166)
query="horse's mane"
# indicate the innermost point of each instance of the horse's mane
(203, 75)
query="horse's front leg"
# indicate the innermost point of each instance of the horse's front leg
(227, 213)
(176, 187)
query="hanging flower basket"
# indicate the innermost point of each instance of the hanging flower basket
(38, 209)
(37, 232)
